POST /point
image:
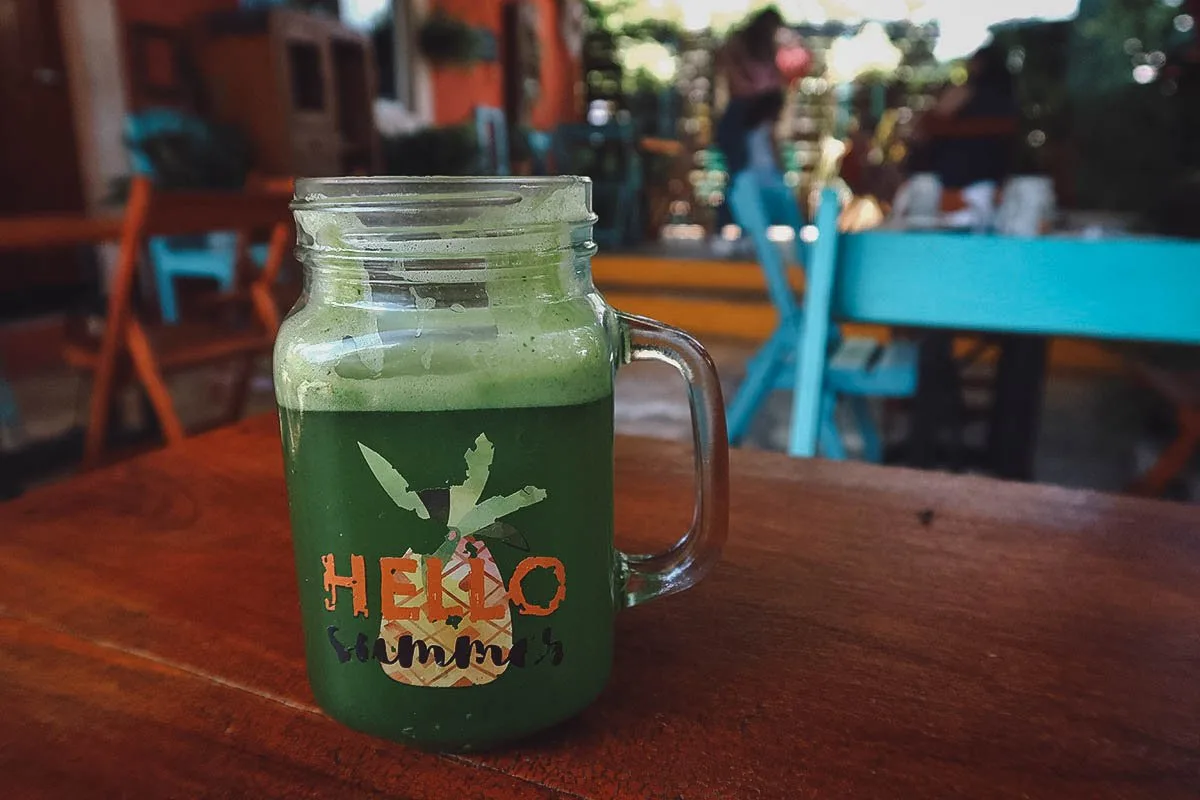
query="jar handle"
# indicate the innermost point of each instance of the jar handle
(647, 577)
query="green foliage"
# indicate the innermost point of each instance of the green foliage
(658, 30)
(1129, 138)
(602, 72)
(1111, 35)
(444, 39)
(219, 160)
(1038, 59)
(1126, 142)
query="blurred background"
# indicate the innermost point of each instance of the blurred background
(917, 113)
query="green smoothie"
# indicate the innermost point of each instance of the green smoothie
(449, 465)
(338, 508)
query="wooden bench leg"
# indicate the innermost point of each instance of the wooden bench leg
(151, 379)
(1174, 459)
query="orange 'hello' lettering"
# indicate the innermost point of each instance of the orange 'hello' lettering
(356, 583)
(477, 591)
(395, 587)
(517, 594)
(435, 610)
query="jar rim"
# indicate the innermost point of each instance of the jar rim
(523, 202)
(428, 193)
(538, 181)
(441, 217)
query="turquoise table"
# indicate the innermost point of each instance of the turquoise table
(1118, 289)
(1140, 289)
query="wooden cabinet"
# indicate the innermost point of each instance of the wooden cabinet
(301, 86)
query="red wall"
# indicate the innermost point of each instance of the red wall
(458, 90)
(561, 74)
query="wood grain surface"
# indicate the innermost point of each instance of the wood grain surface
(870, 633)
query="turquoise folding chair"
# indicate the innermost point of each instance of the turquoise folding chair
(751, 198)
(491, 131)
(213, 255)
(850, 369)
(855, 369)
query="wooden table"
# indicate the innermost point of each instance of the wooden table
(871, 633)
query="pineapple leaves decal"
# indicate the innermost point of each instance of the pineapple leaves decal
(479, 463)
(461, 597)
(505, 533)
(482, 516)
(465, 514)
(393, 483)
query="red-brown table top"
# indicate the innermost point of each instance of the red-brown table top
(871, 632)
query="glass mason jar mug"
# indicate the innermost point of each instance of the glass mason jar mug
(445, 389)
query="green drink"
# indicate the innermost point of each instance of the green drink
(565, 450)
(447, 418)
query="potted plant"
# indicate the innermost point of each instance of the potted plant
(444, 39)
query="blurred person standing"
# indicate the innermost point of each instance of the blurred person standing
(750, 64)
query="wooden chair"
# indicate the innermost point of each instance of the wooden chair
(153, 351)
(853, 368)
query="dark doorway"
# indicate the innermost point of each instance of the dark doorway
(38, 154)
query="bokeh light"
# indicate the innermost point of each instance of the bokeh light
(1144, 73)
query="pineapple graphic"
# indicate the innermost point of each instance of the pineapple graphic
(470, 522)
